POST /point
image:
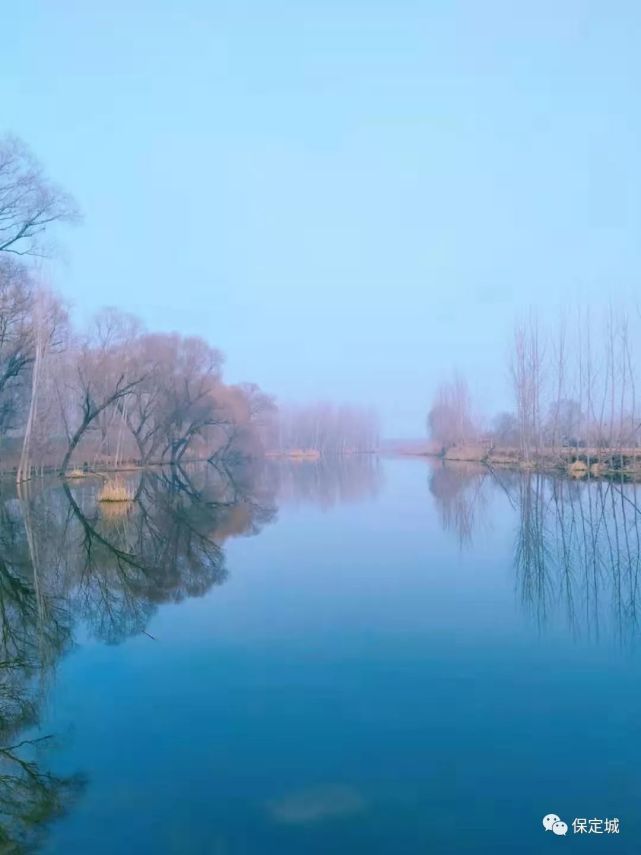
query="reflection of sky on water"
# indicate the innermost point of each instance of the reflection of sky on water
(368, 674)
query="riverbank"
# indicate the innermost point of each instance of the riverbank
(98, 468)
(577, 463)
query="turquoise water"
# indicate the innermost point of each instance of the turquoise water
(389, 658)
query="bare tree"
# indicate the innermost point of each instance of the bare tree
(100, 378)
(29, 202)
(49, 322)
(450, 420)
(17, 351)
(527, 383)
(505, 430)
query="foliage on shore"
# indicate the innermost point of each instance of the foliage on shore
(574, 399)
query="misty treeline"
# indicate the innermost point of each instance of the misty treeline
(573, 384)
(326, 428)
(116, 392)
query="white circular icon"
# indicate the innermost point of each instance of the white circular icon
(560, 827)
(549, 820)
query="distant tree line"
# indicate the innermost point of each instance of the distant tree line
(116, 392)
(328, 429)
(572, 386)
(450, 419)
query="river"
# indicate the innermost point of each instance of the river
(372, 656)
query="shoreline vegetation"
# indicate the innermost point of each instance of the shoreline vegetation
(295, 454)
(575, 462)
(115, 396)
(104, 469)
(574, 404)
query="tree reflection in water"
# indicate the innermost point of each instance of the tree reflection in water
(326, 482)
(35, 632)
(65, 557)
(460, 490)
(577, 545)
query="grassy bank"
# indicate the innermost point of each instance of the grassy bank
(576, 462)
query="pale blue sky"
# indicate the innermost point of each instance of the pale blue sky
(350, 198)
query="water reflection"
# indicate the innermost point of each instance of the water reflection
(326, 482)
(35, 632)
(577, 551)
(460, 490)
(309, 806)
(66, 558)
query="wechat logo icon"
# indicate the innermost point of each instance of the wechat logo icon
(554, 823)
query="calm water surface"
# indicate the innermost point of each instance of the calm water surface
(381, 657)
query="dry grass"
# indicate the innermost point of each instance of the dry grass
(466, 453)
(578, 469)
(115, 491)
(115, 512)
(295, 454)
(78, 473)
(304, 454)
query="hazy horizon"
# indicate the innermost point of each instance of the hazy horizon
(349, 199)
